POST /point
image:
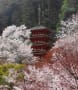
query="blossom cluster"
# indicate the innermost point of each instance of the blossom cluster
(15, 44)
(69, 26)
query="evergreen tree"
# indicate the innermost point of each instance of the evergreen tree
(26, 12)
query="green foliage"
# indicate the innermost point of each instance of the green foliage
(19, 67)
(67, 9)
(20, 76)
(64, 9)
(58, 27)
(2, 80)
(4, 71)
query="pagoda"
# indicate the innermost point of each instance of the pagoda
(40, 38)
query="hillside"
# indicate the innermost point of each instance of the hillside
(26, 12)
(5, 4)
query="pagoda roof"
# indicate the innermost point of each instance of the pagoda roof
(38, 27)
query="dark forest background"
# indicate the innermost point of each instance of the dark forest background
(26, 12)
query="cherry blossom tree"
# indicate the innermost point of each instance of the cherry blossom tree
(67, 48)
(67, 56)
(15, 44)
(68, 27)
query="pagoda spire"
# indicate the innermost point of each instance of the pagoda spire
(39, 14)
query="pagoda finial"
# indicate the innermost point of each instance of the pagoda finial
(39, 14)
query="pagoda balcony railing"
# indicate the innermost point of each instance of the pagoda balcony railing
(41, 43)
(39, 51)
(39, 35)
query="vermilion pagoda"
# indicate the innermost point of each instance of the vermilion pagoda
(40, 38)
